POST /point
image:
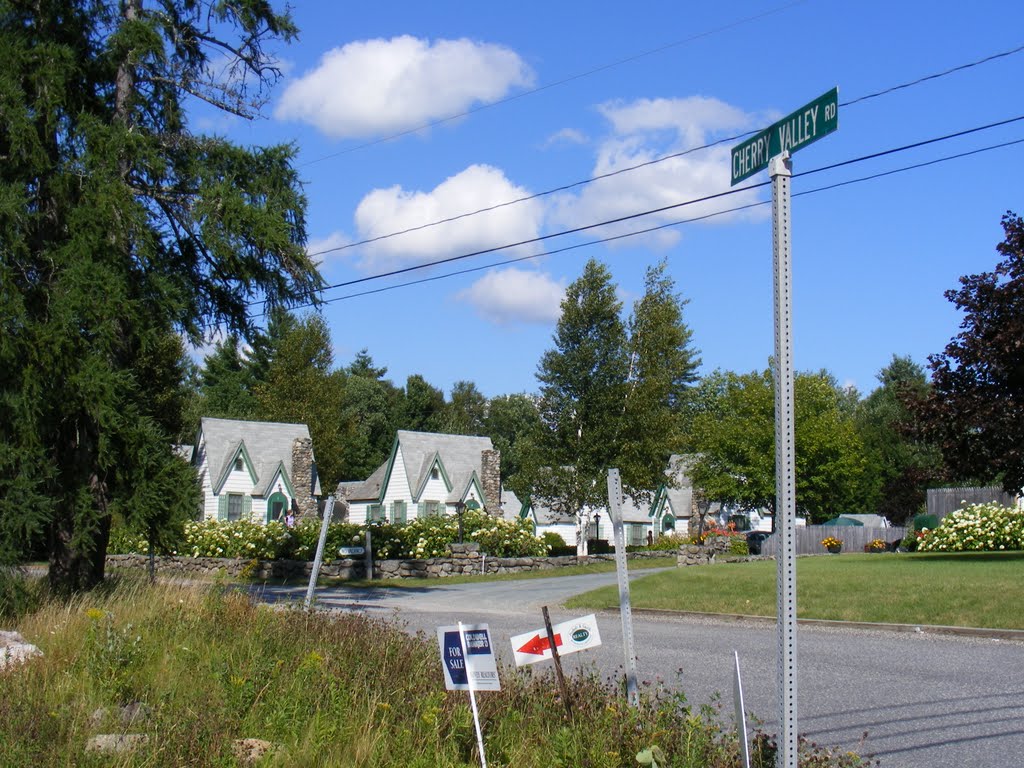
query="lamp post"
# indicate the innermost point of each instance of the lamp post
(460, 507)
(597, 527)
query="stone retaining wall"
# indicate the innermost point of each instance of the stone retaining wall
(465, 559)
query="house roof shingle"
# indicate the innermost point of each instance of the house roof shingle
(268, 444)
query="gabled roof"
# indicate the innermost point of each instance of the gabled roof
(266, 446)
(678, 491)
(457, 455)
(369, 489)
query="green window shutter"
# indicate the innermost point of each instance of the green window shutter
(247, 507)
(222, 508)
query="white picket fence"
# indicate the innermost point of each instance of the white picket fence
(854, 538)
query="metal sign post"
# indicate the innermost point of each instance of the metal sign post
(318, 560)
(781, 169)
(771, 148)
(628, 643)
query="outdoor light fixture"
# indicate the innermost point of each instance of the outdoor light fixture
(597, 526)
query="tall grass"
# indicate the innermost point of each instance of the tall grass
(337, 690)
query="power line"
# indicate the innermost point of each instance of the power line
(557, 83)
(654, 161)
(662, 209)
(679, 222)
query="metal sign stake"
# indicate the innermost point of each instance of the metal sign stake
(472, 696)
(558, 662)
(318, 560)
(781, 169)
(628, 643)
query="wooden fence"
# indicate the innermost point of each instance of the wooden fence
(854, 538)
(942, 501)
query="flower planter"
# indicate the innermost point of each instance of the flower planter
(835, 550)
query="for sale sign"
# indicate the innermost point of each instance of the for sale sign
(467, 657)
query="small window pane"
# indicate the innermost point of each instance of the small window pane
(234, 507)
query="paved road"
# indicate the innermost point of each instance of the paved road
(925, 701)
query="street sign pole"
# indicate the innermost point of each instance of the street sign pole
(781, 170)
(622, 569)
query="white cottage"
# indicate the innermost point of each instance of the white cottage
(255, 470)
(427, 474)
(669, 511)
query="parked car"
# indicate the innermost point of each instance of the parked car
(754, 541)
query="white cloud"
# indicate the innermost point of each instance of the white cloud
(642, 131)
(324, 250)
(515, 295)
(395, 209)
(566, 136)
(375, 87)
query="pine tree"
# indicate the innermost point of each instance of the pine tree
(583, 385)
(119, 229)
(663, 367)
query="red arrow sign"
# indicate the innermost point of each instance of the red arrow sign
(538, 645)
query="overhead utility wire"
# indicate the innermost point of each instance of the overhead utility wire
(556, 83)
(653, 161)
(670, 224)
(662, 209)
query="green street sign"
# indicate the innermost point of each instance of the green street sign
(793, 132)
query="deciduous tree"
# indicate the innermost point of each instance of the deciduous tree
(976, 407)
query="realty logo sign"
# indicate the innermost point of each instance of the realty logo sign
(473, 664)
(570, 636)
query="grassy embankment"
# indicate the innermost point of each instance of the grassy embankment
(340, 690)
(970, 589)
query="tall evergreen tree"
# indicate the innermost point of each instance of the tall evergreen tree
(663, 367)
(119, 228)
(583, 385)
(371, 410)
(226, 382)
(302, 387)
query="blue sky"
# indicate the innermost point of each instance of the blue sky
(559, 92)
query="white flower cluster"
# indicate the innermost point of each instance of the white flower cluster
(986, 527)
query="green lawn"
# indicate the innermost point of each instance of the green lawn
(971, 589)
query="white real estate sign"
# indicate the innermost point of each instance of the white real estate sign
(472, 668)
(570, 636)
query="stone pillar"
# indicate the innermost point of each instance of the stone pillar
(303, 477)
(490, 471)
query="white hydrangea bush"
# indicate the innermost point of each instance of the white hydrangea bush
(988, 527)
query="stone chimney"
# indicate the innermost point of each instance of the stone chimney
(303, 477)
(490, 478)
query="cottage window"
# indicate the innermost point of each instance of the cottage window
(235, 504)
(239, 464)
(398, 514)
(435, 473)
(375, 513)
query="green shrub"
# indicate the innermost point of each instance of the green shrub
(553, 540)
(421, 538)
(986, 527)
(925, 522)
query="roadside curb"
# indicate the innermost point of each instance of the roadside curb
(1016, 635)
